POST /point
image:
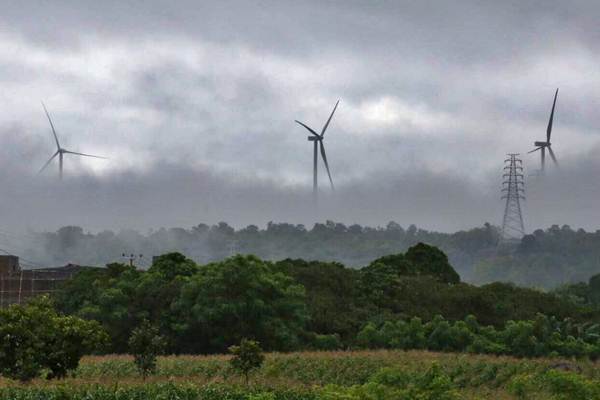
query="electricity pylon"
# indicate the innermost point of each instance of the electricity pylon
(513, 188)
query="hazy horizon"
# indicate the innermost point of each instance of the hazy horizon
(195, 106)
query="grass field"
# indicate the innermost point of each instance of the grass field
(323, 375)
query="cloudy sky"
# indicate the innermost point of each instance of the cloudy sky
(194, 103)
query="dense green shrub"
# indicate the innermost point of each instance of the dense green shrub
(246, 357)
(327, 342)
(393, 383)
(35, 338)
(541, 337)
(145, 344)
(570, 386)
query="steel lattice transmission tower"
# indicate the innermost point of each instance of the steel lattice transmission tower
(513, 189)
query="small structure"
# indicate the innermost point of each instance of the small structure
(19, 285)
(9, 265)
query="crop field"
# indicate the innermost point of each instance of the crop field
(323, 375)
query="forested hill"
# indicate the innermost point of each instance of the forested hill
(545, 258)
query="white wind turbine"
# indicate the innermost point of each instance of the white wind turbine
(60, 151)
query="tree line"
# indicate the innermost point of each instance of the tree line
(542, 336)
(293, 304)
(546, 258)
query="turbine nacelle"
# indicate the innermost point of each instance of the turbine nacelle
(313, 138)
(542, 144)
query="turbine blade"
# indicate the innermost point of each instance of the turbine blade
(552, 155)
(309, 129)
(47, 163)
(549, 129)
(329, 120)
(326, 163)
(52, 126)
(82, 154)
(534, 150)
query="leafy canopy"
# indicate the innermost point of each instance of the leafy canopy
(34, 338)
(242, 296)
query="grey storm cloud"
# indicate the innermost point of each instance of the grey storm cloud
(194, 103)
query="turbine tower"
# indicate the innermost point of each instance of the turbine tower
(317, 139)
(542, 146)
(60, 152)
(513, 189)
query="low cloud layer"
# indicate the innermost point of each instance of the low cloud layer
(194, 104)
(169, 195)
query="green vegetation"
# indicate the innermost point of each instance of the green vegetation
(295, 305)
(145, 344)
(246, 357)
(291, 304)
(395, 302)
(240, 297)
(325, 375)
(583, 294)
(540, 337)
(35, 339)
(546, 258)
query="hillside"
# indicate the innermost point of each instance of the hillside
(546, 258)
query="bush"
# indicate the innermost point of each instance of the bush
(34, 338)
(521, 385)
(247, 357)
(145, 345)
(327, 342)
(570, 386)
(543, 337)
(393, 383)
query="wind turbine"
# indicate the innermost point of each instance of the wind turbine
(547, 145)
(317, 139)
(60, 152)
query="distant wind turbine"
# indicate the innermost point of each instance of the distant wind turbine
(317, 139)
(60, 152)
(542, 146)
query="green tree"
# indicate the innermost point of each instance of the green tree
(120, 297)
(246, 357)
(369, 337)
(429, 260)
(594, 289)
(331, 295)
(34, 337)
(242, 296)
(172, 265)
(145, 344)
(419, 260)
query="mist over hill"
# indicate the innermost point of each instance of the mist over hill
(546, 258)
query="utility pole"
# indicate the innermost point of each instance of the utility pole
(513, 188)
(233, 247)
(132, 258)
